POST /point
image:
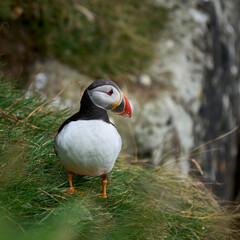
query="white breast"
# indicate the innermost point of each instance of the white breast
(88, 147)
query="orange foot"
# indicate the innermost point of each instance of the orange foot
(103, 196)
(71, 190)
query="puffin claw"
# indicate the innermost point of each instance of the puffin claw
(103, 196)
(72, 190)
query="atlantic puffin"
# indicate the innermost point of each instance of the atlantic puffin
(87, 143)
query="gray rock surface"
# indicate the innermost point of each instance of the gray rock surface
(167, 132)
(219, 111)
(53, 77)
(197, 62)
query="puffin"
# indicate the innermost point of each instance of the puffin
(87, 143)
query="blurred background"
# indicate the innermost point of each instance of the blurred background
(177, 61)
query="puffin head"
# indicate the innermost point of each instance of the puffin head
(107, 95)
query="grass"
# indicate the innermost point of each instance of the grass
(141, 204)
(101, 38)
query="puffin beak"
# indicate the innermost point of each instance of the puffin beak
(123, 107)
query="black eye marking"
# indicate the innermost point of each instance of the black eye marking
(110, 92)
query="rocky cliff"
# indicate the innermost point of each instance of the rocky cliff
(198, 61)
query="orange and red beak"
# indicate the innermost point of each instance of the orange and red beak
(123, 108)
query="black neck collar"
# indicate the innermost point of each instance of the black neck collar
(88, 111)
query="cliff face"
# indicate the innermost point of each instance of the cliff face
(219, 111)
(197, 63)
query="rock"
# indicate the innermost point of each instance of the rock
(54, 76)
(198, 16)
(165, 131)
(145, 80)
(197, 58)
(219, 110)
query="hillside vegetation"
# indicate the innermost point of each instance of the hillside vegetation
(141, 204)
(108, 38)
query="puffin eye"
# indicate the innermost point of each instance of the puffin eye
(110, 92)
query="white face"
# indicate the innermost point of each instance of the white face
(104, 96)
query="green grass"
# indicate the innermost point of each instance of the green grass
(101, 38)
(141, 204)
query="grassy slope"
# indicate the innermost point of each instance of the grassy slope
(141, 204)
(101, 38)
